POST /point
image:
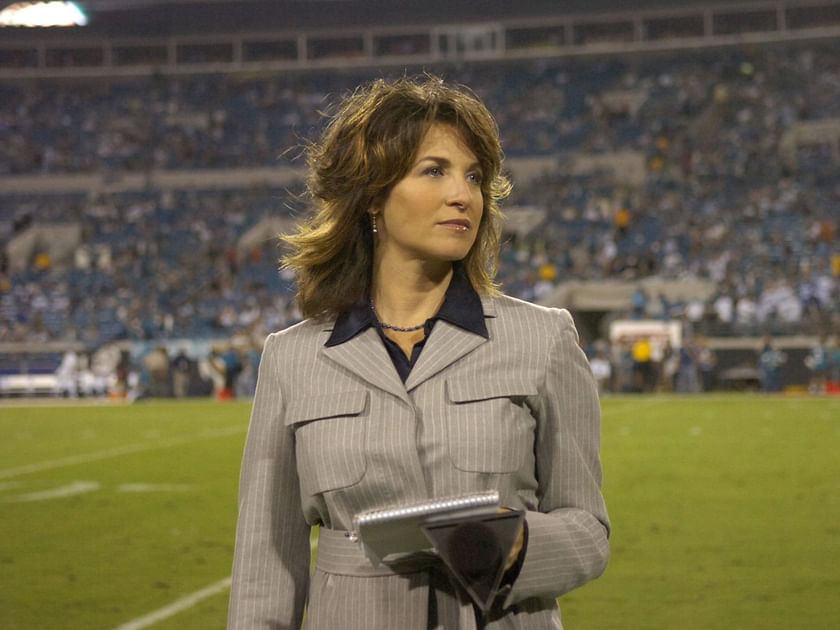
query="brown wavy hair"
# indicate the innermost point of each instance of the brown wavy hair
(367, 147)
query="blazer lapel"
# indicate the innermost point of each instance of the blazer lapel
(365, 356)
(445, 345)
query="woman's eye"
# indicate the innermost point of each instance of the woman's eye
(435, 171)
(475, 178)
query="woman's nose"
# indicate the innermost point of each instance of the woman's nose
(460, 194)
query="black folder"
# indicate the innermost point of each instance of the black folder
(475, 549)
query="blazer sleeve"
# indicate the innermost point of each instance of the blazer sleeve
(271, 559)
(568, 533)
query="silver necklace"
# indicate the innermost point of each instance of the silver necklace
(382, 324)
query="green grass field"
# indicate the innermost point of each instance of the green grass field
(726, 514)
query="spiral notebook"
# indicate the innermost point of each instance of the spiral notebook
(469, 533)
(396, 530)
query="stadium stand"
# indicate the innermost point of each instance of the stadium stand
(702, 182)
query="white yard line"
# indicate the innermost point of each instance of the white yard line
(28, 403)
(154, 487)
(84, 458)
(77, 487)
(175, 607)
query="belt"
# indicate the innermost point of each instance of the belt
(339, 555)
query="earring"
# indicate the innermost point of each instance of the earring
(373, 223)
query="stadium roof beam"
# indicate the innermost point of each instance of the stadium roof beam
(42, 54)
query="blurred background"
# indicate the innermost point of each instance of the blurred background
(674, 164)
(675, 168)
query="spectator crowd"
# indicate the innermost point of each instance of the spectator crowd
(724, 195)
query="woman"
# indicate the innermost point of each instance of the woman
(412, 378)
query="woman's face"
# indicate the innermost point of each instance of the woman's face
(433, 213)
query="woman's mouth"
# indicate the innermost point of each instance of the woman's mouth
(459, 225)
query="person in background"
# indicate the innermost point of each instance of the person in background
(770, 361)
(687, 377)
(602, 370)
(670, 366)
(156, 363)
(246, 384)
(67, 375)
(832, 384)
(412, 378)
(232, 368)
(817, 361)
(122, 373)
(639, 303)
(706, 363)
(642, 365)
(181, 368)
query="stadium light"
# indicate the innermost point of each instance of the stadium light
(43, 14)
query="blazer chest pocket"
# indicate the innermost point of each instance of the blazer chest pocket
(330, 438)
(490, 427)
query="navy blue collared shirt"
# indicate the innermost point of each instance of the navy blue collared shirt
(461, 307)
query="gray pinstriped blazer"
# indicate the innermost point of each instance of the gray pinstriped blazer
(334, 431)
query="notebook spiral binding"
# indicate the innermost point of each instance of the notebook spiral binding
(429, 508)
